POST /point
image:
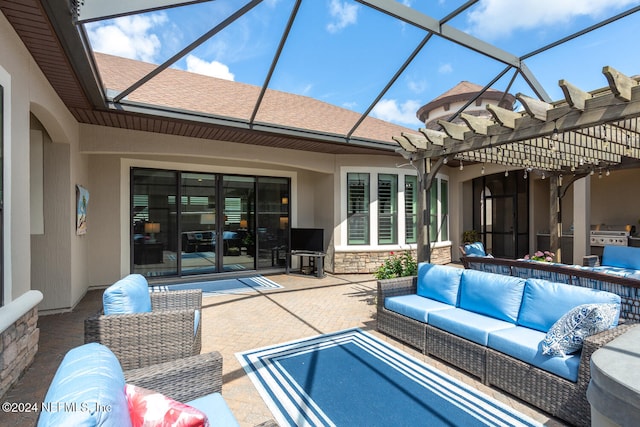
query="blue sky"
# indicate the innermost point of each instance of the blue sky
(344, 53)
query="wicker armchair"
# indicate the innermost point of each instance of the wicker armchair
(171, 331)
(181, 379)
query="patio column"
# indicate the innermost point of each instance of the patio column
(555, 216)
(423, 253)
(581, 219)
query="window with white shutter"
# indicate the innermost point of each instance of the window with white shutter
(358, 208)
(387, 209)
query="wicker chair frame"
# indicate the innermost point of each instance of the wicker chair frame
(183, 379)
(165, 334)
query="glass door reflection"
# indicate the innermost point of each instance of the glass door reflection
(153, 208)
(198, 223)
(273, 222)
(238, 234)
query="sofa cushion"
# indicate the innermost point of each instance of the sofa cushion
(616, 271)
(150, 408)
(568, 333)
(491, 294)
(525, 344)
(87, 390)
(467, 324)
(127, 296)
(216, 410)
(439, 282)
(474, 249)
(621, 256)
(543, 302)
(414, 306)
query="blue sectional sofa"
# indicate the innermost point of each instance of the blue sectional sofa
(496, 327)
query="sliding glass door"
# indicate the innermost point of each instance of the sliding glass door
(273, 221)
(198, 223)
(154, 222)
(239, 199)
(222, 223)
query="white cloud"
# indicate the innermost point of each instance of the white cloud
(497, 18)
(212, 69)
(445, 68)
(391, 111)
(128, 36)
(417, 86)
(343, 15)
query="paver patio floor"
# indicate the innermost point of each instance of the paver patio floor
(305, 307)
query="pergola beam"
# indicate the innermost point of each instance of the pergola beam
(575, 97)
(621, 85)
(597, 111)
(504, 117)
(586, 132)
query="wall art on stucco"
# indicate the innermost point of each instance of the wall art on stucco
(82, 200)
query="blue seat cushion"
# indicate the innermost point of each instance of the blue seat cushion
(414, 306)
(526, 345)
(439, 282)
(216, 410)
(474, 249)
(621, 256)
(544, 302)
(616, 271)
(127, 296)
(467, 324)
(89, 380)
(491, 294)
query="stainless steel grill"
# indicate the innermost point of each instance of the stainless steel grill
(610, 235)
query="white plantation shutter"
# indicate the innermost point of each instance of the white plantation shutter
(410, 209)
(358, 208)
(387, 209)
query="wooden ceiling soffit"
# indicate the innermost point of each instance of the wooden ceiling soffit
(584, 132)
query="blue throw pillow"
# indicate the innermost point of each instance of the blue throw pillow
(127, 296)
(474, 249)
(568, 333)
(439, 282)
(87, 390)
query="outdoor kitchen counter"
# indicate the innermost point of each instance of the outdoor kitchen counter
(614, 390)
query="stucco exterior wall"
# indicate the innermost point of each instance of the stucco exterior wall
(113, 152)
(614, 199)
(29, 92)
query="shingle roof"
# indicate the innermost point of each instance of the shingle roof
(67, 67)
(198, 93)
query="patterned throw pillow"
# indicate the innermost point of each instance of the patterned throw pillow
(151, 409)
(568, 333)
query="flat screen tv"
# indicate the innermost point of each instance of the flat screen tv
(307, 239)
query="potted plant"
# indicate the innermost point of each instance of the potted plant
(470, 236)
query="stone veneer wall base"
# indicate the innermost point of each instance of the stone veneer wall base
(369, 261)
(18, 348)
(19, 336)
